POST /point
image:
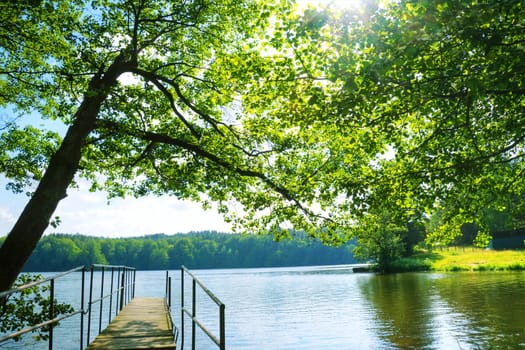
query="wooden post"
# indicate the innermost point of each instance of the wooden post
(82, 308)
(169, 292)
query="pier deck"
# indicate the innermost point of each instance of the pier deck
(145, 323)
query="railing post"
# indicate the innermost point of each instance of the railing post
(119, 292)
(82, 309)
(134, 280)
(51, 311)
(89, 305)
(126, 287)
(169, 292)
(193, 311)
(130, 286)
(101, 301)
(182, 306)
(111, 293)
(122, 291)
(222, 328)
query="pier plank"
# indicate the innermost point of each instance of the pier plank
(145, 323)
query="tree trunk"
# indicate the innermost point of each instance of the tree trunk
(52, 188)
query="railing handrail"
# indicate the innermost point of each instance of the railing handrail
(219, 341)
(203, 287)
(51, 322)
(119, 268)
(121, 289)
(40, 325)
(113, 266)
(36, 283)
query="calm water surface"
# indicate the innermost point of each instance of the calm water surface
(333, 308)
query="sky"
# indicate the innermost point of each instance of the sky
(90, 214)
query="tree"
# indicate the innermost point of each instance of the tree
(409, 107)
(162, 97)
(431, 95)
(379, 239)
(448, 94)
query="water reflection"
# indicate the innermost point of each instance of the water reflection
(333, 308)
(448, 311)
(492, 304)
(402, 304)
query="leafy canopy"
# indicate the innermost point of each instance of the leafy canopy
(190, 99)
(431, 95)
(284, 119)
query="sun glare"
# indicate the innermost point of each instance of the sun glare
(337, 4)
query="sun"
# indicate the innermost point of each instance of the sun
(339, 4)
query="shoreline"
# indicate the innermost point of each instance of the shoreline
(459, 259)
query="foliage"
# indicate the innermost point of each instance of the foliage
(60, 252)
(379, 240)
(29, 307)
(444, 235)
(482, 239)
(193, 108)
(431, 95)
(183, 98)
(286, 120)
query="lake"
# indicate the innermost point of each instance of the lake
(333, 308)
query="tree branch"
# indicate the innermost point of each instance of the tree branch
(157, 138)
(156, 80)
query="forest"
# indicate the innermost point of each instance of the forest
(197, 250)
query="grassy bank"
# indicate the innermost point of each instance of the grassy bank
(463, 259)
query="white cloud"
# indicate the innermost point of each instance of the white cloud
(89, 213)
(7, 218)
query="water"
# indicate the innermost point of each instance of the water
(333, 308)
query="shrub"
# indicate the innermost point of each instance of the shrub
(29, 307)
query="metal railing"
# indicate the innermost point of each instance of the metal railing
(168, 302)
(219, 341)
(122, 287)
(124, 291)
(52, 319)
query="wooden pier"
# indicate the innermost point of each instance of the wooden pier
(144, 323)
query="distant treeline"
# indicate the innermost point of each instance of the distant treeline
(59, 252)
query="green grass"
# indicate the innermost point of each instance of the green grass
(463, 259)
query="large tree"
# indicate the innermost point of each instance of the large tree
(438, 90)
(166, 97)
(399, 108)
